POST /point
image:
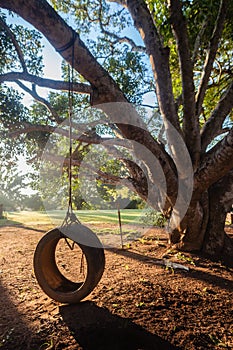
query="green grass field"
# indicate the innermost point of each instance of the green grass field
(34, 218)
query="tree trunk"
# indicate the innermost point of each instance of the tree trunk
(202, 229)
(217, 243)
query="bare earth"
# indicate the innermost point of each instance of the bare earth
(138, 304)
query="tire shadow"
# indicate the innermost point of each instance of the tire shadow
(95, 328)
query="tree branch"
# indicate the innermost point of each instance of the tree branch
(117, 38)
(159, 57)
(15, 43)
(59, 34)
(210, 57)
(124, 39)
(113, 179)
(227, 191)
(216, 163)
(47, 83)
(190, 120)
(213, 126)
(27, 128)
(198, 39)
(42, 100)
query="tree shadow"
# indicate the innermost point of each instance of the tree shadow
(14, 332)
(95, 328)
(137, 256)
(10, 223)
(208, 277)
(211, 279)
(33, 228)
(6, 222)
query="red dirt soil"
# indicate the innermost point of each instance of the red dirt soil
(138, 304)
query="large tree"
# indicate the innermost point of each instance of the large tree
(189, 46)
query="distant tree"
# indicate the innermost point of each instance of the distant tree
(33, 202)
(12, 183)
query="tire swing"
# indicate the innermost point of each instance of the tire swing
(69, 285)
(49, 270)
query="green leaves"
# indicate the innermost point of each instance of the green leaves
(29, 42)
(12, 183)
(12, 111)
(130, 73)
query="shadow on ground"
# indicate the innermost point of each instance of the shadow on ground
(95, 328)
(14, 333)
(211, 278)
(10, 223)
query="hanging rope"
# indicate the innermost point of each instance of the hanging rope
(70, 112)
(70, 216)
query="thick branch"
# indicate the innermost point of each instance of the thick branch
(224, 189)
(47, 83)
(15, 43)
(27, 128)
(45, 19)
(217, 162)
(210, 57)
(213, 126)
(138, 176)
(190, 121)
(159, 57)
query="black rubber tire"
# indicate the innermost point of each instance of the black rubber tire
(51, 280)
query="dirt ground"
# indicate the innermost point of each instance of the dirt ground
(139, 304)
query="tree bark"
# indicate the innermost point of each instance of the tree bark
(217, 243)
(189, 236)
(211, 54)
(159, 58)
(202, 229)
(191, 127)
(213, 126)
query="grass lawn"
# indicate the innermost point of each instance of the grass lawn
(34, 218)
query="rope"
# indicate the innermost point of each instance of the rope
(71, 100)
(70, 216)
(69, 44)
